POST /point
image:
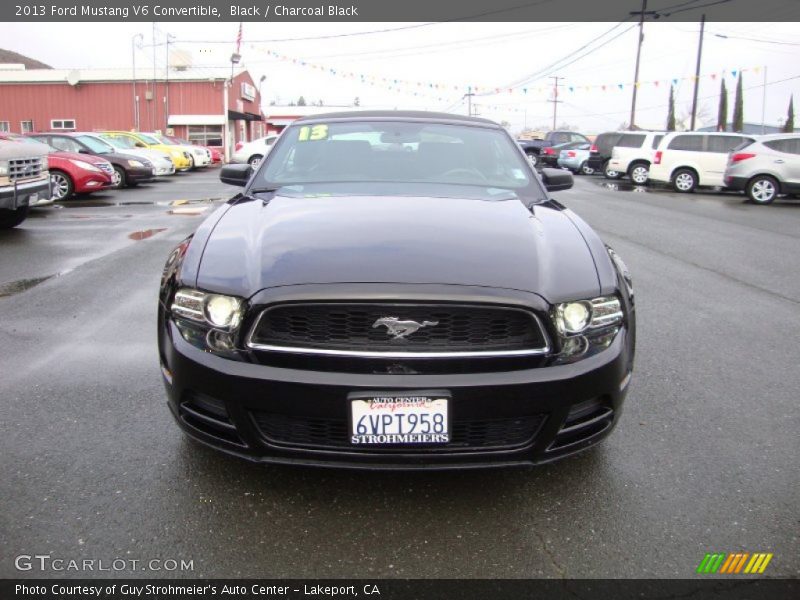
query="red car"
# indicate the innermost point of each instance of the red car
(72, 173)
(216, 154)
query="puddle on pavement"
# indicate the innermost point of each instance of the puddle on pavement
(145, 233)
(15, 287)
(624, 186)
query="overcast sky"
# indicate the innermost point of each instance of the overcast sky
(450, 55)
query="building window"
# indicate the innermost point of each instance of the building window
(205, 135)
(26, 126)
(5, 126)
(63, 124)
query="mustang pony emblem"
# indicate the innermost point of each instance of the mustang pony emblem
(399, 329)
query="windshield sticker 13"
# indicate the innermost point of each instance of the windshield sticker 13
(313, 133)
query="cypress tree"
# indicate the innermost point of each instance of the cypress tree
(722, 117)
(738, 107)
(788, 127)
(671, 110)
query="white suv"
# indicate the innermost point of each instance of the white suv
(694, 158)
(633, 154)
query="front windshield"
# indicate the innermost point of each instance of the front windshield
(95, 145)
(123, 143)
(413, 157)
(149, 139)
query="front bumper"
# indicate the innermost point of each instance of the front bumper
(576, 405)
(19, 194)
(140, 174)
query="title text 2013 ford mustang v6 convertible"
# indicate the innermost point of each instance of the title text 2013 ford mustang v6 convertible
(396, 290)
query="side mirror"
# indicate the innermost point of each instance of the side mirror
(556, 180)
(83, 151)
(236, 174)
(140, 145)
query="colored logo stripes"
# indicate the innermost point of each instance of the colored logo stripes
(738, 562)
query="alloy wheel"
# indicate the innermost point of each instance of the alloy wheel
(639, 174)
(59, 186)
(684, 182)
(586, 169)
(763, 191)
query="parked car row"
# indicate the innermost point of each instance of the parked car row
(82, 162)
(45, 167)
(762, 166)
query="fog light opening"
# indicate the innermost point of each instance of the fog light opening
(220, 341)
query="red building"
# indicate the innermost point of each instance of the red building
(203, 106)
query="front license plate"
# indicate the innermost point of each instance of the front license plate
(30, 200)
(386, 419)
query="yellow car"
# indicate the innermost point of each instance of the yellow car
(180, 157)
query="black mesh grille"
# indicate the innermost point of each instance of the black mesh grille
(467, 434)
(450, 328)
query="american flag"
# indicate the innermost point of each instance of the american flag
(239, 38)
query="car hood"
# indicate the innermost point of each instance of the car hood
(424, 240)
(151, 155)
(89, 158)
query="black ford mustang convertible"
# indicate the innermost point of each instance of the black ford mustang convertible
(396, 290)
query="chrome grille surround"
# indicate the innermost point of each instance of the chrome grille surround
(404, 348)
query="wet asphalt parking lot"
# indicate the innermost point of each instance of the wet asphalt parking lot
(705, 457)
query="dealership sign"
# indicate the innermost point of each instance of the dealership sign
(248, 92)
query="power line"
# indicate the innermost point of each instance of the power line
(658, 106)
(375, 31)
(544, 72)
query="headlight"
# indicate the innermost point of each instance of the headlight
(216, 310)
(578, 317)
(135, 163)
(85, 165)
(224, 312)
(176, 153)
(4, 167)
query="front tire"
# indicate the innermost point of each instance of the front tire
(639, 173)
(585, 169)
(61, 185)
(610, 173)
(254, 161)
(762, 189)
(532, 158)
(684, 181)
(12, 218)
(120, 179)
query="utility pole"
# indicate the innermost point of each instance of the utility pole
(697, 69)
(764, 104)
(641, 14)
(153, 100)
(555, 99)
(170, 38)
(469, 96)
(135, 98)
